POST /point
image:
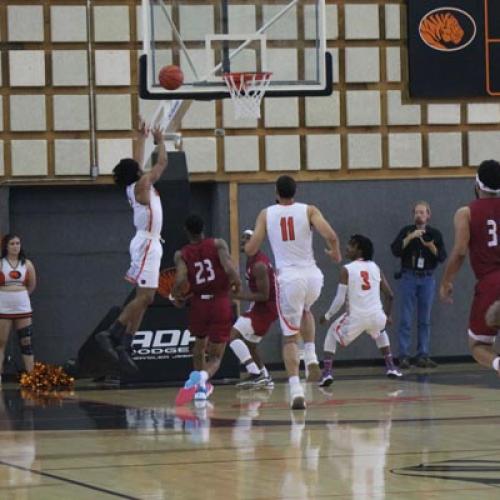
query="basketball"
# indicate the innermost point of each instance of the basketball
(171, 77)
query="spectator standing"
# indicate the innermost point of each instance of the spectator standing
(420, 248)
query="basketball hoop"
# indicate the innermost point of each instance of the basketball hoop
(247, 90)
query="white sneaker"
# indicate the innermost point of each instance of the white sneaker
(313, 371)
(393, 373)
(297, 398)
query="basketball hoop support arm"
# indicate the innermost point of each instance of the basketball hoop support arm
(260, 31)
(178, 37)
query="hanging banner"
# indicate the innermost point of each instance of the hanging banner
(452, 48)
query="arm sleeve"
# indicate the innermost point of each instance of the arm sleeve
(397, 244)
(338, 301)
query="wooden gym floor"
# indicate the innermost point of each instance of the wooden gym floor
(428, 436)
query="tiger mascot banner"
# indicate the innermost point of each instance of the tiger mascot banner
(448, 53)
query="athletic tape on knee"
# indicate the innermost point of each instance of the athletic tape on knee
(25, 335)
(240, 350)
(383, 340)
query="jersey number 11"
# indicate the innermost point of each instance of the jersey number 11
(287, 229)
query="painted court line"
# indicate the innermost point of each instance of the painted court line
(70, 481)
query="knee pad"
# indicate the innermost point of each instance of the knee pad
(330, 342)
(382, 340)
(25, 335)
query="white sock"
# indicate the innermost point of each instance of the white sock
(240, 350)
(252, 368)
(310, 348)
(310, 353)
(264, 372)
(294, 382)
(496, 363)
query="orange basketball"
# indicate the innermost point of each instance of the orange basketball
(171, 77)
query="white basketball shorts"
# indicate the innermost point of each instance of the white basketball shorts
(297, 289)
(145, 260)
(348, 328)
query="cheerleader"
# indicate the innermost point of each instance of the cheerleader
(17, 282)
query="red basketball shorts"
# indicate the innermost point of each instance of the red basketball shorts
(211, 316)
(486, 292)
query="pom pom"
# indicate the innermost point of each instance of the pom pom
(45, 377)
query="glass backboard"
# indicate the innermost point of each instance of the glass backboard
(207, 38)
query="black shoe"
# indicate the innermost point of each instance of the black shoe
(421, 363)
(252, 381)
(428, 363)
(127, 364)
(404, 364)
(103, 340)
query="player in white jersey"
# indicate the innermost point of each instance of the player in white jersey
(145, 248)
(361, 282)
(289, 227)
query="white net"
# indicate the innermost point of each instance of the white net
(247, 91)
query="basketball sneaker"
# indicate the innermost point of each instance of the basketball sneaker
(193, 379)
(269, 383)
(104, 341)
(326, 378)
(203, 393)
(393, 373)
(254, 380)
(313, 371)
(297, 398)
(186, 393)
(124, 351)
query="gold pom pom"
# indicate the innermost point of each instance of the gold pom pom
(45, 377)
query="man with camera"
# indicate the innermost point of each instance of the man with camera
(420, 248)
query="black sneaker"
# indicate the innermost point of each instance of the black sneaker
(253, 380)
(103, 340)
(421, 363)
(404, 364)
(429, 363)
(269, 382)
(127, 364)
(326, 378)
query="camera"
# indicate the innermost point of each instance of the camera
(427, 237)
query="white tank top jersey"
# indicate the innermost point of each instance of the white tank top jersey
(13, 276)
(363, 290)
(146, 217)
(290, 235)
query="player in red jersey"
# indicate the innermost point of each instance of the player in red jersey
(477, 230)
(252, 325)
(206, 265)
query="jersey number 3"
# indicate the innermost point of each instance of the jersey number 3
(492, 233)
(287, 229)
(366, 280)
(204, 271)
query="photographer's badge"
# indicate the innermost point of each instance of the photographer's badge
(420, 263)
